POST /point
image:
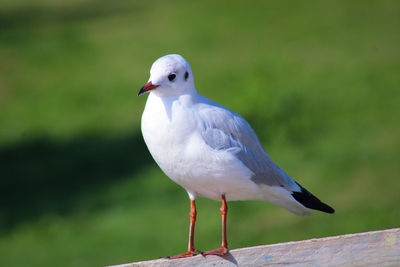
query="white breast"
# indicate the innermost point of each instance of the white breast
(171, 132)
(166, 131)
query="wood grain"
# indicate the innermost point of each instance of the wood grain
(377, 248)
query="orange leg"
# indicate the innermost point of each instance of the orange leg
(191, 249)
(223, 250)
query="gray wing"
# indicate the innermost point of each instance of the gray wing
(223, 129)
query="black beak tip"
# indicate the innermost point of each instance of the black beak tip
(147, 88)
(141, 91)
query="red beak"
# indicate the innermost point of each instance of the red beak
(147, 87)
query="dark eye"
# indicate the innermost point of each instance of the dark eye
(171, 77)
(186, 75)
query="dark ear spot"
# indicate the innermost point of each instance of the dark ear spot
(186, 75)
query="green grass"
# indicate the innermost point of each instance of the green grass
(318, 81)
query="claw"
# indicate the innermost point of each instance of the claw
(222, 251)
(184, 255)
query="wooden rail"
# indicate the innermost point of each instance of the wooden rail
(377, 248)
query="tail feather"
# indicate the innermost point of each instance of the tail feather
(310, 201)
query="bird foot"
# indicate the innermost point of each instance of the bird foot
(222, 251)
(187, 254)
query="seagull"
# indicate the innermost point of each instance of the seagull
(210, 150)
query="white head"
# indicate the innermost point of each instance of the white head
(170, 75)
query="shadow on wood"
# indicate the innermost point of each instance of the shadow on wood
(377, 248)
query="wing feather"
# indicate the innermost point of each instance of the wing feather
(223, 129)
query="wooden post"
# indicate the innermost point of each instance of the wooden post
(377, 248)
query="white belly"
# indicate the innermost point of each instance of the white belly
(179, 150)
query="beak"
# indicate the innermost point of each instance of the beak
(147, 87)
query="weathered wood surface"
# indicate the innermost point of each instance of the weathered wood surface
(377, 248)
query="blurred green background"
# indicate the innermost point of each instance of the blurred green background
(319, 81)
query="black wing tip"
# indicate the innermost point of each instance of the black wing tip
(310, 201)
(326, 208)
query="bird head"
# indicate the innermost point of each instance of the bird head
(170, 75)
